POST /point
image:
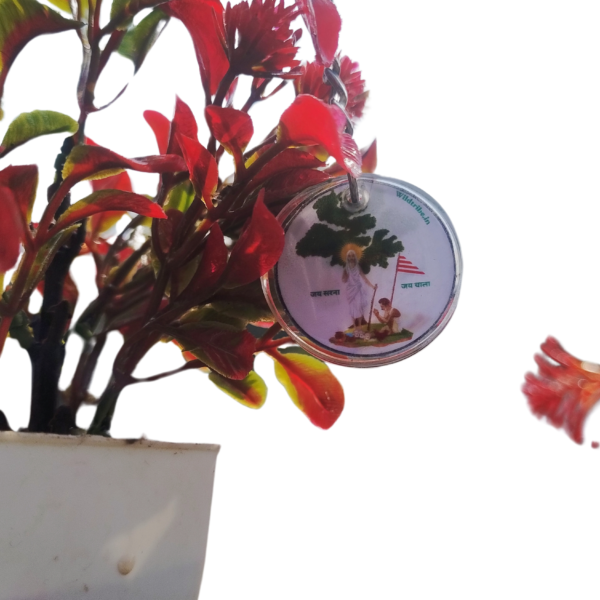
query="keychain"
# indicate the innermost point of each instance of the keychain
(371, 268)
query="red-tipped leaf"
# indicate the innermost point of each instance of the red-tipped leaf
(310, 121)
(310, 384)
(258, 248)
(96, 162)
(108, 200)
(104, 221)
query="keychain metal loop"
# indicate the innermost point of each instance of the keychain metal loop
(339, 97)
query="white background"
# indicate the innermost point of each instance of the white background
(436, 482)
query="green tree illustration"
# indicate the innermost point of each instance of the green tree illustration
(323, 240)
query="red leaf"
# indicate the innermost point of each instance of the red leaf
(324, 23)
(221, 347)
(310, 121)
(310, 384)
(167, 228)
(23, 20)
(22, 180)
(287, 160)
(290, 183)
(564, 391)
(108, 200)
(204, 21)
(184, 123)
(232, 128)
(94, 162)
(10, 229)
(204, 172)
(250, 391)
(212, 264)
(104, 221)
(258, 248)
(160, 126)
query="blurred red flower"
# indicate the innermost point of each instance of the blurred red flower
(564, 391)
(311, 82)
(259, 37)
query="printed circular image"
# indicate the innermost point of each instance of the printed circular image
(370, 286)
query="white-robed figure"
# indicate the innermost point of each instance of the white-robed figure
(356, 291)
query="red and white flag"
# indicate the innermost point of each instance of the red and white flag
(405, 266)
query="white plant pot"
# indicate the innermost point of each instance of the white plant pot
(102, 519)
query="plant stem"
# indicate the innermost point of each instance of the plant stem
(106, 407)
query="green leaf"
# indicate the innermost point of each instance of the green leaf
(28, 126)
(251, 391)
(139, 39)
(180, 197)
(124, 10)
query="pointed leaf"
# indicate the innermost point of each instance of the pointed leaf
(221, 347)
(202, 166)
(310, 121)
(23, 20)
(160, 126)
(204, 21)
(232, 128)
(34, 124)
(104, 221)
(22, 180)
(324, 23)
(96, 162)
(258, 248)
(310, 384)
(108, 200)
(184, 123)
(369, 162)
(289, 159)
(290, 183)
(250, 391)
(10, 229)
(139, 40)
(212, 264)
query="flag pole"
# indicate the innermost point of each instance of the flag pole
(395, 277)
(371, 311)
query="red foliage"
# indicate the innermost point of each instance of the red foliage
(204, 20)
(311, 82)
(202, 166)
(260, 40)
(324, 23)
(10, 229)
(184, 123)
(230, 127)
(108, 200)
(86, 161)
(564, 392)
(212, 264)
(104, 221)
(160, 126)
(258, 248)
(310, 121)
(22, 180)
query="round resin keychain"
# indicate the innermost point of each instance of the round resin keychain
(368, 276)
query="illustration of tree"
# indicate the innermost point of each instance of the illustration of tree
(323, 240)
